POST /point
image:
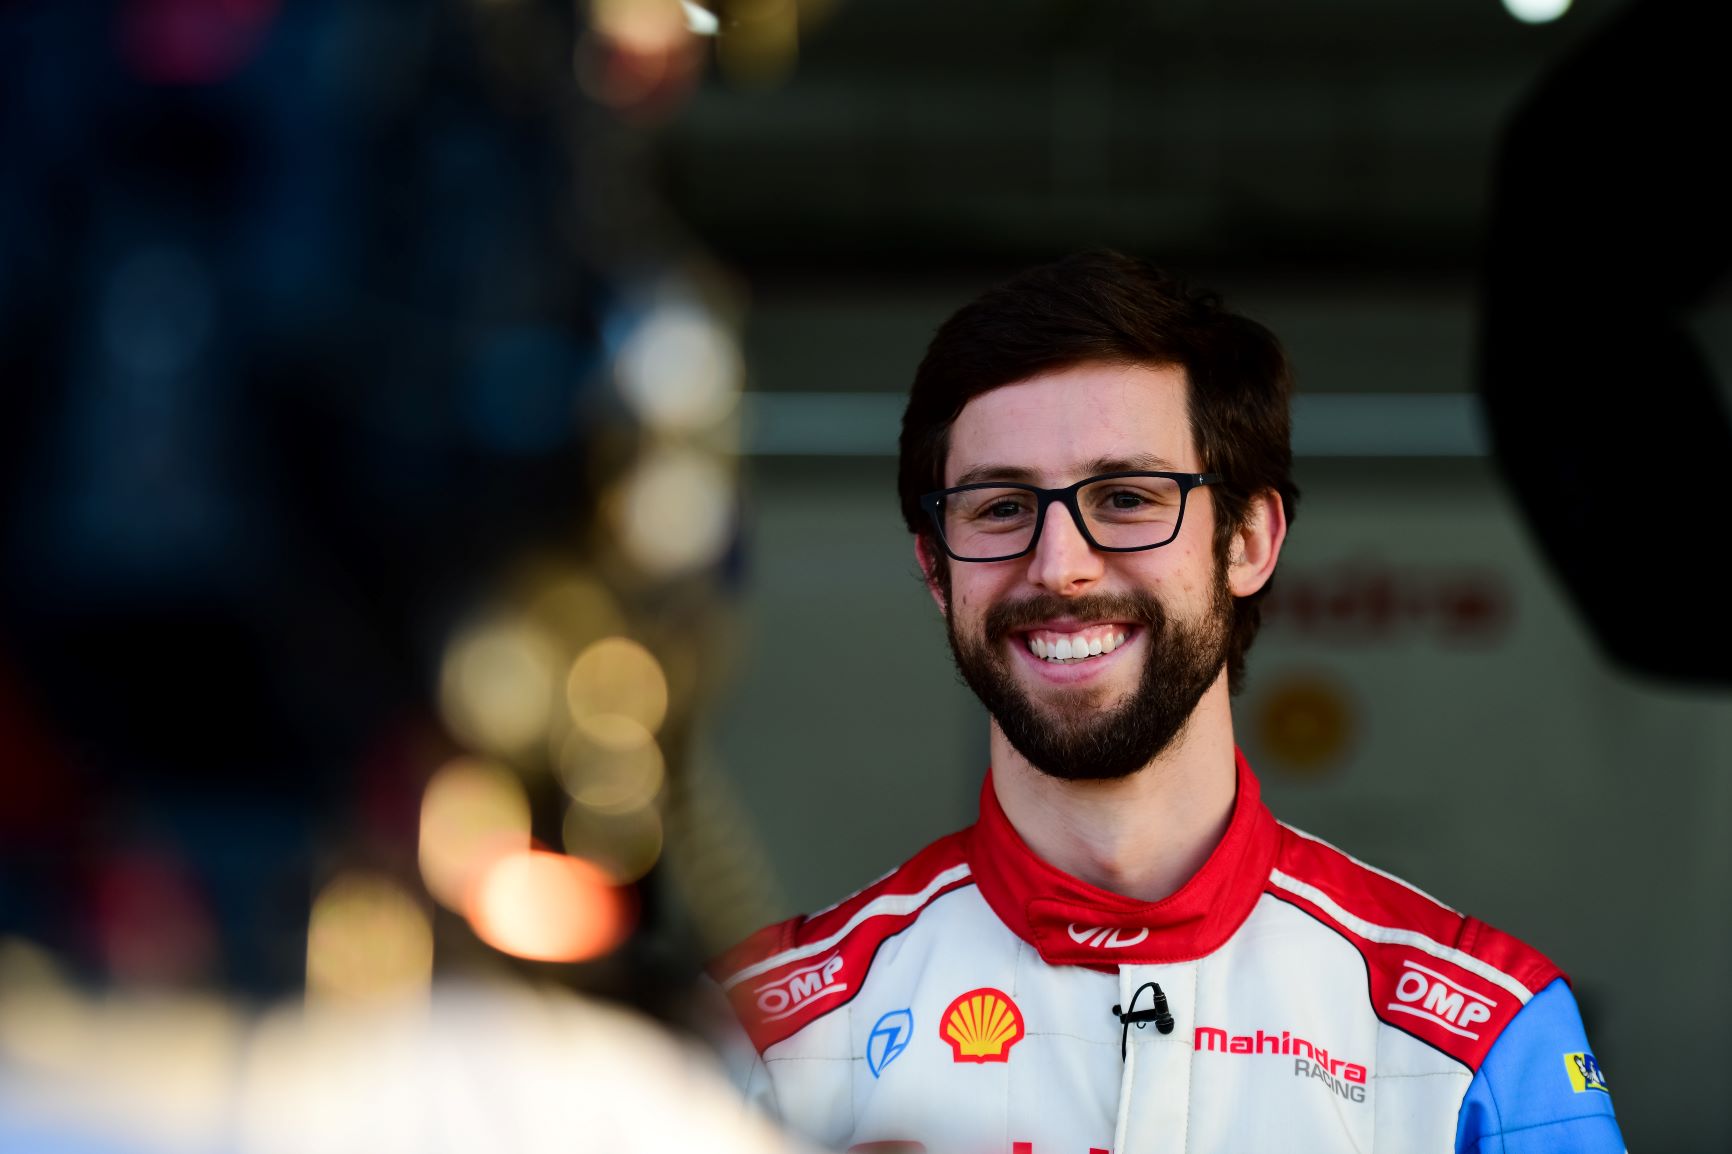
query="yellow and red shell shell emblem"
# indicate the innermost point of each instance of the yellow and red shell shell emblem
(981, 1026)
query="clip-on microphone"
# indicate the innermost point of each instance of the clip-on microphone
(1160, 1016)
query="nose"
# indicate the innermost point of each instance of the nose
(1063, 561)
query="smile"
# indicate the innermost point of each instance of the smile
(1075, 646)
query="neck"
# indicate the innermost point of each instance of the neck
(1143, 836)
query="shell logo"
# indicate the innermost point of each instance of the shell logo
(981, 1026)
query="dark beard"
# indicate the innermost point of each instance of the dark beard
(1088, 742)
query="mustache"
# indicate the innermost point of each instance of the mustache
(1009, 617)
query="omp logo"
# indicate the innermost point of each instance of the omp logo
(1104, 938)
(1585, 1074)
(795, 991)
(1427, 994)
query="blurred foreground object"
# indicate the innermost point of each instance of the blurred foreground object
(1609, 225)
(496, 1068)
(368, 499)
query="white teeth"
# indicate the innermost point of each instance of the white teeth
(1074, 648)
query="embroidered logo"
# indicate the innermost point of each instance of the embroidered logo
(1585, 1074)
(1346, 1078)
(981, 1026)
(793, 992)
(1444, 1002)
(888, 1039)
(1105, 938)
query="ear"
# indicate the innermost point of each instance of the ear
(1257, 544)
(930, 561)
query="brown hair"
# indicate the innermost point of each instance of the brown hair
(1105, 307)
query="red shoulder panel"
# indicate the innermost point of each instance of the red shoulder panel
(788, 975)
(1374, 896)
(767, 942)
(1451, 981)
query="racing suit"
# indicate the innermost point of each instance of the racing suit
(1287, 998)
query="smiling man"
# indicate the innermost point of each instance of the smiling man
(1127, 952)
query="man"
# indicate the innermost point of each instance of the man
(1127, 953)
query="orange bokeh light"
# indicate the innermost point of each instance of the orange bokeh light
(473, 812)
(548, 907)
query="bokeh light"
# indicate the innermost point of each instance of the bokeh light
(616, 677)
(640, 26)
(39, 1008)
(759, 47)
(548, 907)
(472, 812)
(152, 922)
(675, 511)
(641, 56)
(184, 42)
(165, 1063)
(680, 369)
(626, 845)
(498, 684)
(368, 938)
(575, 609)
(700, 21)
(612, 764)
(1536, 11)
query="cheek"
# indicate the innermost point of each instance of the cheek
(973, 587)
(967, 607)
(1186, 575)
(974, 595)
(1158, 574)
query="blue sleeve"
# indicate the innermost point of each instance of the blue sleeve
(1539, 1090)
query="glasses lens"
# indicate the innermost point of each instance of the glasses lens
(984, 523)
(1132, 512)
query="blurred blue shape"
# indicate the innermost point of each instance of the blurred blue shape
(520, 392)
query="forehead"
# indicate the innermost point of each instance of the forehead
(1055, 425)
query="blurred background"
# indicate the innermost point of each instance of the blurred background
(448, 521)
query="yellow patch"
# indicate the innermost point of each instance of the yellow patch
(1585, 1073)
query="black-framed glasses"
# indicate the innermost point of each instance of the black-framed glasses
(1115, 512)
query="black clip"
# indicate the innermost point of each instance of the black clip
(1160, 1016)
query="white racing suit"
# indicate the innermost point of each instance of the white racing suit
(1288, 998)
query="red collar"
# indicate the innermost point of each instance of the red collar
(1070, 921)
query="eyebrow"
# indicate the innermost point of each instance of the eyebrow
(1025, 476)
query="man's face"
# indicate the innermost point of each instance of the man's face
(1109, 714)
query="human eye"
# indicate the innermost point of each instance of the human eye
(1133, 497)
(998, 507)
(1127, 499)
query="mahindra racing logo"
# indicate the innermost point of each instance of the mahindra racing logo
(794, 991)
(1340, 1075)
(1444, 1002)
(1104, 938)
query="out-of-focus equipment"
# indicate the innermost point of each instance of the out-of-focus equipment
(369, 523)
(1609, 225)
(502, 1068)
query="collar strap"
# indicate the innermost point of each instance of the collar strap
(1072, 922)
